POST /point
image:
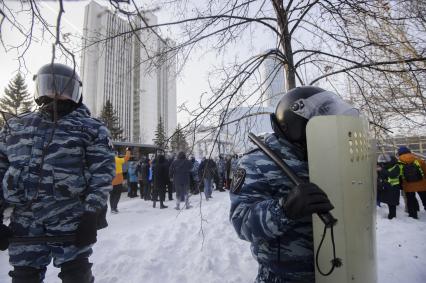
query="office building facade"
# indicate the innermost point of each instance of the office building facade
(117, 69)
(274, 86)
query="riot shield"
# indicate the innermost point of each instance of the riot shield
(342, 161)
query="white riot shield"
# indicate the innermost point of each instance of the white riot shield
(342, 161)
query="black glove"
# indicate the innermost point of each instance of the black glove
(5, 234)
(101, 221)
(86, 230)
(306, 199)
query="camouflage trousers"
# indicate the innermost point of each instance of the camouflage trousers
(265, 275)
(47, 218)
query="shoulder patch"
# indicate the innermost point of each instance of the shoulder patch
(238, 180)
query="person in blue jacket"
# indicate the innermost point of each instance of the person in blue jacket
(132, 178)
(57, 166)
(267, 209)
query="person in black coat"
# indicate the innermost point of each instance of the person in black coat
(180, 172)
(143, 176)
(388, 174)
(208, 174)
(160, 170)
(170, 189)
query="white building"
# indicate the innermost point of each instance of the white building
(116, 69)
(273, 72)
(233, 137)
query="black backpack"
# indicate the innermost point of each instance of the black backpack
(412, 172)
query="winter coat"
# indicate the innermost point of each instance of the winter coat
(160, 170)
(150, 174)
(180, 172)
(119, 162)
(419, 186)
(389, 193)
(221, 166)
(143, 170)
(228, 168)
(76, 167)
(207, 169)
(282, 247)
(194, 171)
(132, 173)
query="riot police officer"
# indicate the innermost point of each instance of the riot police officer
(57, 164)
(266, 208)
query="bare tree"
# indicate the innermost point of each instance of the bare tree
(375, 49)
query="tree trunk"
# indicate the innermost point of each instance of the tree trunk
(285, 43)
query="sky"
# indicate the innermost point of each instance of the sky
(143, 244)
(191, 82)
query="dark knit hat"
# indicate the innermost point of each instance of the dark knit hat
(403, 150)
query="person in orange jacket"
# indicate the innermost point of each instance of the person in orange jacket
(117, 182)
(413, 171)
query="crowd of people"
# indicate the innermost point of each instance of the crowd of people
(152, 179)
(402, 175)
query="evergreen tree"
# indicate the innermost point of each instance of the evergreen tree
(160, 135)
(178, 141)
(16, 99)
(111, 120)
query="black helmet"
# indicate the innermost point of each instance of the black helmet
(300, 104)
(57, 80)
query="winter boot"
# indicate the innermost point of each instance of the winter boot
(78, 270)
(26, 274)
(162, 205)
(153, 203)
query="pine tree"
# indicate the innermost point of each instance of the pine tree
(16, 99)
(160, 135)
(178, 141)
(111, 120)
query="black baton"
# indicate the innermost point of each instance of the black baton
(326, 218)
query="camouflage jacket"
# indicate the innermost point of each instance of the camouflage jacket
(283, 246)
(72, 161)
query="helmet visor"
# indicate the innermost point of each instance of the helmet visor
(322, 104)
(61, 87)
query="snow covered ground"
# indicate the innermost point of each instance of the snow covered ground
(143, 244)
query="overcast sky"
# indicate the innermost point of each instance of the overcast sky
(190, 83)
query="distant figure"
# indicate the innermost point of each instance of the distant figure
(388, 172)
(180, 172)
(228, 177)
(413, 179)
(117, 182)
(195, 179)
(208, 173)
(143, 176)
(231, 165)
(221, 166)
(160, 169)
(132, 179)
(170, 188)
